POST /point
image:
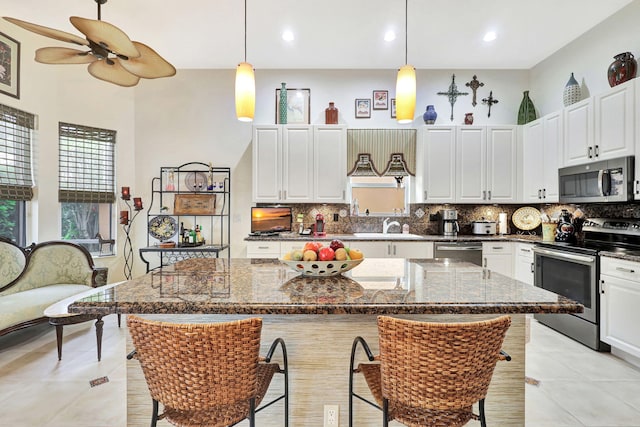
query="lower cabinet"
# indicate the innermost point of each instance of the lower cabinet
(619, 302)
(498, 257)
(370, 249)
(523, 262)
(263, 249)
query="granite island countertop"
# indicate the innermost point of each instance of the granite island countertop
(376, 286)
(525, 238)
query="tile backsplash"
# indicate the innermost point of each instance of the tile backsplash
(421, 216)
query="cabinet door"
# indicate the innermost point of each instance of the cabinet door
(523, 263)
(578, 133)
(471, 165)
(297, 164)
(614, 122)
(532, 161)
(498, 257)
(267, 164)
(437, 161)
(370, 249)
(411, 250)
(619, 316)
(502, 177)
(552, 140)
(330, 164)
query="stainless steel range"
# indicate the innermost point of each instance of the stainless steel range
(573, 270)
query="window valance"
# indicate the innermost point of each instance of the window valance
(381, 152)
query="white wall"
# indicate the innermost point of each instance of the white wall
(588, 58)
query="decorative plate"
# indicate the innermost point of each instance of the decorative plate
(196, 181)
(163, 227)
(526, 218)
(322, 268)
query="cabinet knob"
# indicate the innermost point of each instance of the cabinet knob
(539, 193)
(597, 151)
(590, 152)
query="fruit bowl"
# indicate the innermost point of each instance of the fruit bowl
(322, 268)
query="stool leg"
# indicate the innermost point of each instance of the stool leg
(59, 340)
(119, 319)
(99, 324)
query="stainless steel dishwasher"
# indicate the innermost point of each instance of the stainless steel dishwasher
(463, 251)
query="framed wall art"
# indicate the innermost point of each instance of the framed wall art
(9, 66)
(393, 108)
(298, 106)
(363, 108)
(380, 99)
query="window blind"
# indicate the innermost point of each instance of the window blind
(16, 178)
(86, 163)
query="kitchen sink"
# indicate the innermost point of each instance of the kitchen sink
(387, 236)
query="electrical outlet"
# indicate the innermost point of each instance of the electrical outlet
(331, 415)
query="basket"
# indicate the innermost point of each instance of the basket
(322, 268)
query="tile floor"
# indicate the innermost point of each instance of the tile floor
(577, 386)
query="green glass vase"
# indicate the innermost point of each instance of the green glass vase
(283, 104)
(527, 112)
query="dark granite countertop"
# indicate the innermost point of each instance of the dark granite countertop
(376, 286)
(629, 256)
(399, 237)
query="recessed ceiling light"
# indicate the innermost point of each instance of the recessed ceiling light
(389, 36)
(287, 36)
(489, 36)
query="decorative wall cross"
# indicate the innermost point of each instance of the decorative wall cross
(474, 84)
(490, 100)
(453, 93)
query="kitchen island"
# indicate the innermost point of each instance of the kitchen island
(319, 317)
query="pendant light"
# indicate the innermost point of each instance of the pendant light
(245, 83)
(406, 83)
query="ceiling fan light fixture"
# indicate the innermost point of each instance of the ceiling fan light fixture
(245, 92)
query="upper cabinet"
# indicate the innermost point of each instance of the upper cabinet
(299, 163)
(486, 164)
(601, 127)
(436, 165)
(541, 142)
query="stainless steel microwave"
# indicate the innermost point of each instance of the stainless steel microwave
(603, 181)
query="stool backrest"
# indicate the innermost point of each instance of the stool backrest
(196, 365)
(438, 365)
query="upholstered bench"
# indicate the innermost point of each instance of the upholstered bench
(36, 277)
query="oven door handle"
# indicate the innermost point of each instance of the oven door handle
(459, 248)
(564, 255)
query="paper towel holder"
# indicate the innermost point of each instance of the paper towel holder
(503, 226)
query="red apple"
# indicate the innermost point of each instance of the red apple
(326, 254)
(336, 244)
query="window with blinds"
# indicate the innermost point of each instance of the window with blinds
(16, 130)
(87, 168)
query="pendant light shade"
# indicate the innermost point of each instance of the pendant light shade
(406, 94)
(406, 82)
(245, 92)
(245, 83)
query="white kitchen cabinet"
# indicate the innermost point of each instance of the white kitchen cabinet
(619, 302)
(541, 142)
(392, 249)
(263, 249)
(299, 164)
(523, 260)
(486, 164)
(615, 122)
(436, 165)
(577, 147)
(329, 163)
(498, 257)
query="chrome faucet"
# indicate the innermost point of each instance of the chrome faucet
(386, 224)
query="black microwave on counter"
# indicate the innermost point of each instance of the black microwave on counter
(596, 182)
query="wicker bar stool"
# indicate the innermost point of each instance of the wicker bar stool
(207, 374)
(430, 374)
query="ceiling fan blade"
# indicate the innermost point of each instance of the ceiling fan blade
(106, 35)
(48, 32)
(110, 70)
(63, 55)
(149, 64)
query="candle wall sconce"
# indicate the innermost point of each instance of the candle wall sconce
(126, 220)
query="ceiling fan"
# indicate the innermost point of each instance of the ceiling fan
(112, 56)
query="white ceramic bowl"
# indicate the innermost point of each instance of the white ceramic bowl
(322, 268)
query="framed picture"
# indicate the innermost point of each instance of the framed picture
(363, 108)
(393, 108)
(298, 106)
(194, 204)
(9, 66)
(380, 99)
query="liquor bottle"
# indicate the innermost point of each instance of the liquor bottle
(182, 232)
(198, 234)
(192, 236)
